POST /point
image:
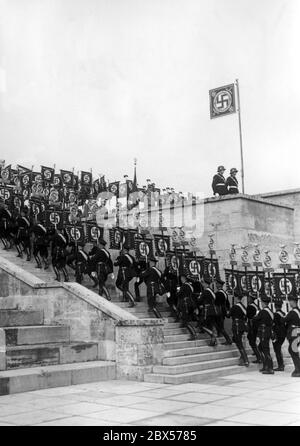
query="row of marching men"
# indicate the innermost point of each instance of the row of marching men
(202, 301)
(265, 327)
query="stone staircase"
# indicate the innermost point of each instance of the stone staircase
(36, 346)
(40, 356)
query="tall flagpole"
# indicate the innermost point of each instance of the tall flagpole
(241, 139)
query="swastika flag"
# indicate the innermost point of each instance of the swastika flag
(222, 101)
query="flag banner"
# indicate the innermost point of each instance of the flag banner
(162, 244)
(96, 188)
(6, 193)
(25, 180)
(47, 174)
(36, 177)
(86, 179)
(194, 266)
(113, 188)
(231, 279)
(26, 193)
(71, 197)
(269, 285)
(18, 201)
(37, 208)
(143, 248)
(75, 233)
(6, 174)
(256, 281)
(296, 273)
(141, 194)
(211, 268)
(55, 196)
(37, 190)
(22, 169)
(173, 261)
(93, 232)
(243, 283)
(130, 236)
(67, 177)
(116, 238)
(222, 101)
(14, 177)
(284, 284)
(54, 218)
(57, 181)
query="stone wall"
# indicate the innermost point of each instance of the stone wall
(89, 316)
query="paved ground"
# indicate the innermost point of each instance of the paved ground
(243, 399)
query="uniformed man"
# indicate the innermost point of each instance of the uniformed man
(140, 265)
(187, 305)
(23, 241)
(222, 309)
(153, 280)
(238, 314)
(264, 320)
(126, 264)
(207, 311)
(5, 225)
(59, 254)
(292, 324)
(40, 244)
(252, 310)
(171, 282)
(232, 183)
(279, 334)
(101, 263)
(219, 182)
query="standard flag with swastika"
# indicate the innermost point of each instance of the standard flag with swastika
(222, 101)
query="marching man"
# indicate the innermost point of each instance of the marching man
(292, 323)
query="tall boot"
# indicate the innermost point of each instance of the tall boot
(104, 292)
(131, 299)
(244, 357)
(192, 330)
(66, 275)
(38, 262)
(19, 251)
(95, 280)
(157, 313)
(137, 292)
(4, 243)
(227, 338)
(57, 273)
(257, 354)
(28, 258)
(46, 263)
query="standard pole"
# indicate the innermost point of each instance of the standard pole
(241, 139)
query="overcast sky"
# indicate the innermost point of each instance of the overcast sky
(95, 83)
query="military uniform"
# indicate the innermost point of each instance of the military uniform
(292, 324)
(186, 306)
(252, 311)
(101, 263)
(23, 236)
(238, 314)
(219, 183)
(222, 308)
(126, 264)
(264, 320)
(170, 281)
(40, 244)
(207, 317)
(59, 255)
(153, 280)
(140, 266)
(232, 183)
(279, 337)
(5, 227)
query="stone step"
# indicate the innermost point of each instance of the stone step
(15, 318)
(196, 366)
(179, 337)
(201, 357)
(49, 354)
(173, 324)
(199, 376)
(40, 334)
(169, 345)
(194, 350)
(174, 331)
(37, 378)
